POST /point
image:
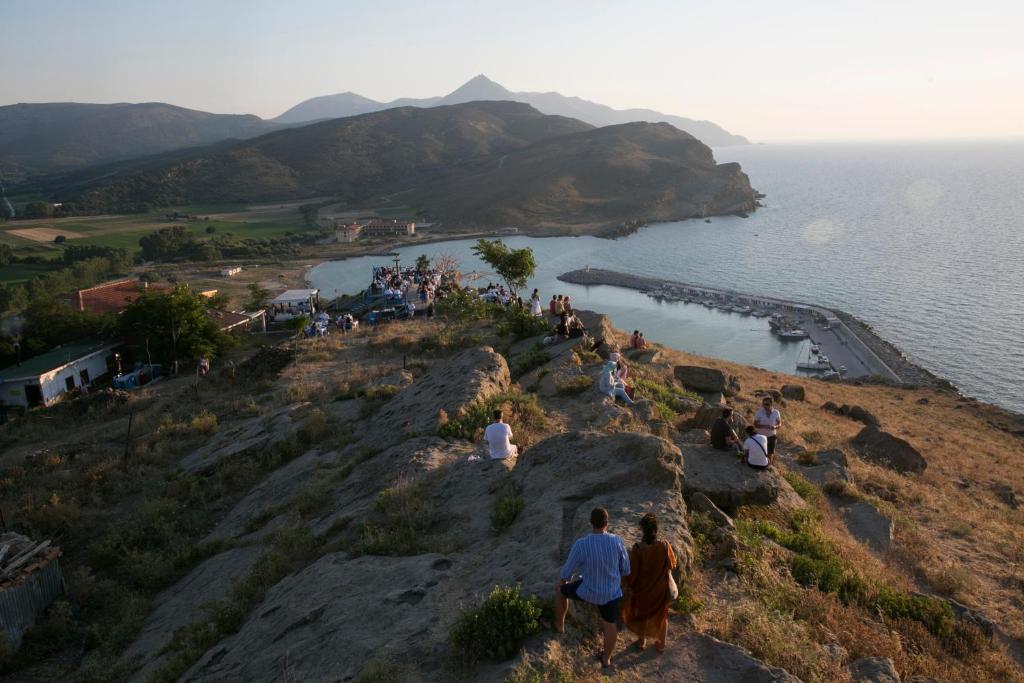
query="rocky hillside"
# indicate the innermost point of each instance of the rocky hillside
(316, 512)
(466, 165)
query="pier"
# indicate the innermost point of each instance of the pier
(861, 352)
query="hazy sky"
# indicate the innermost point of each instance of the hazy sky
(770, 70)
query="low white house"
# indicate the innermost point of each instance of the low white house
(230, 271)
(41, 381)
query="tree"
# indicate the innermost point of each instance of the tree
(515, 266)
(38, 210)
(258, 297)
(174, 325)
(6, 255)
(60, 239)
(210, 229)
(423, 262)
(175, 242)
(49, 322)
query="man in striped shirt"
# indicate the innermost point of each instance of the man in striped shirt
(600, 558)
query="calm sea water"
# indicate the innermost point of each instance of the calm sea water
(923, 241)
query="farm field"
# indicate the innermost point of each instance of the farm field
(35, 237)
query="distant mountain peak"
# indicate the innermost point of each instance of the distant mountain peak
(477, 88)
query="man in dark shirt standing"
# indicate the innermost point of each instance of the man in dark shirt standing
(723, 437)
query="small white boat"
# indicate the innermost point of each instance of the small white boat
(791, 334)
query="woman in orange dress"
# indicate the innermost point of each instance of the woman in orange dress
(646, 609)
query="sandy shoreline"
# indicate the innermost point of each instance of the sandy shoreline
(875, 358)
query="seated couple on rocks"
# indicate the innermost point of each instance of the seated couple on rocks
(634, 588)
(757, 448)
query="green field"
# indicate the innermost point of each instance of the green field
(260, 222)
(22, 272)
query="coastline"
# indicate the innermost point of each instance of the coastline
(888, 365)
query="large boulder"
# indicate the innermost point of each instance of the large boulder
(863, 416)
(888, 450)
(709, 412)
(728, 482)
(701, 379)
(793, 392)
(874, 670)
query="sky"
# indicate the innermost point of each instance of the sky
(779, 70)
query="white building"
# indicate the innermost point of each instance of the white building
(230, 271)
(43, 380)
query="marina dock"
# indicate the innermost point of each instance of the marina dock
(848, 342)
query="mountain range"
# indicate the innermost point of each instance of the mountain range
(61, 136)
(57, 137)
(475, 164)
(482, 88)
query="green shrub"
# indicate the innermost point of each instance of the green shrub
(686, 603)
(807, 458)
(522, 410)
(497, 628)
(669, 399)
(505, 512)
(404, 515)
(576, 384)
(820, 563)
(804, 488)
(204, 423)
(517, 322)
(534, 358)
(463, 304)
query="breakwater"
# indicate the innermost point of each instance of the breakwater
(847, 340)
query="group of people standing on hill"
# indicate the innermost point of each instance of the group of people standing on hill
(759, 445)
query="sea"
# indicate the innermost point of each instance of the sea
(922, 240)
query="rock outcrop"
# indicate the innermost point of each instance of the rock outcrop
(248, 436)
(868, 525)
(560, 479)
(874, 670)
(729, 483)
(707, 380)
(793, 392)
(178, 605)
(888, 450)
(451, 387)
(698, 658)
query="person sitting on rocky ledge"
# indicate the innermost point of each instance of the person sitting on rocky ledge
(756, 449)
(499, 439)
(553, 305)
(612, 386)
(637, 341)
(600, 561)
(723, 436)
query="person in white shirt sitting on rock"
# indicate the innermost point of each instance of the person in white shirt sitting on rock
(499, 439)
(756, 449)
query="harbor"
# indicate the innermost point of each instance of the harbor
(840, 346)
